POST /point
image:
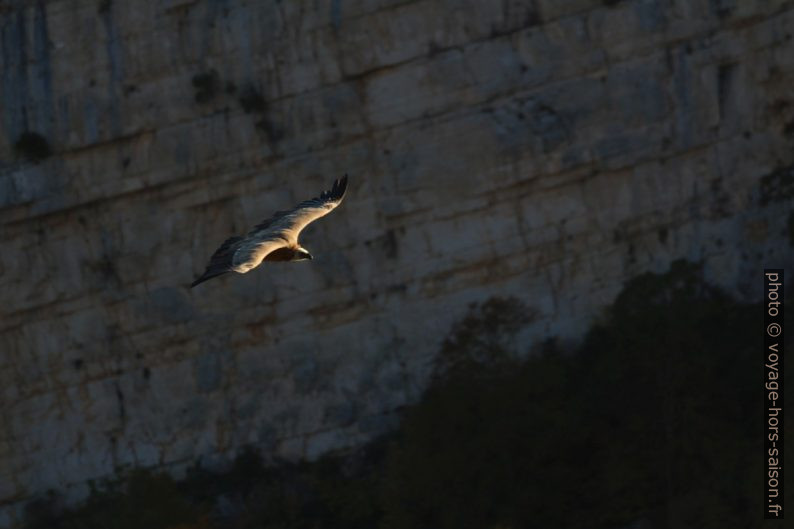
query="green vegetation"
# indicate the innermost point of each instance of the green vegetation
(655, 419)
(206, 86)
(32, 146)
(143, 499)
(777, 186)
(252, 101)
(333, 492)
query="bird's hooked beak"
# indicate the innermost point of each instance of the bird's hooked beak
(309, 256)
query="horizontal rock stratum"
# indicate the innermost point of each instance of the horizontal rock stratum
(546, 149)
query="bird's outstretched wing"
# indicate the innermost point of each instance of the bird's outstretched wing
(288, 224)
(241, 254)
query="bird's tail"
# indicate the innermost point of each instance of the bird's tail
(209, 274)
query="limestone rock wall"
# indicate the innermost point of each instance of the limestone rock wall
(545, 149)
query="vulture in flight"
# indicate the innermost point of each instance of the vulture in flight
(275, 239)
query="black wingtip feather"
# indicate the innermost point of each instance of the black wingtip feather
(206, 276)
(338, 189)
(220, 262)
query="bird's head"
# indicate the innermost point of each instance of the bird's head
(301, 254)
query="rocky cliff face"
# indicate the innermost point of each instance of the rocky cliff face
(544, 149)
